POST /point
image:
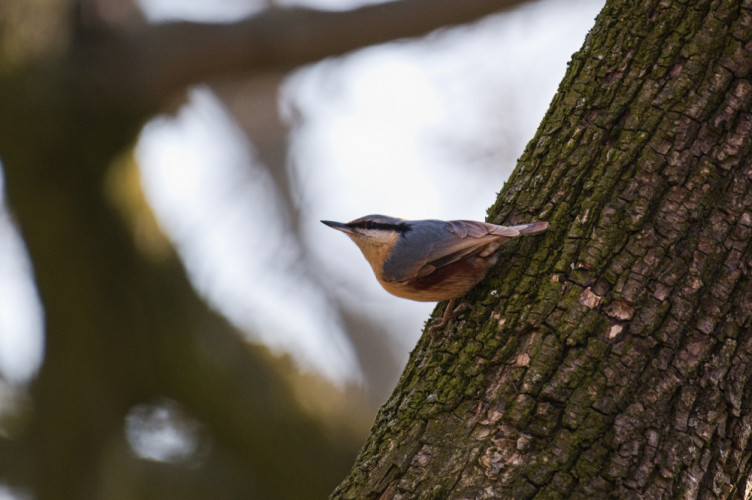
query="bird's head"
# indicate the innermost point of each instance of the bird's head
(375, 235)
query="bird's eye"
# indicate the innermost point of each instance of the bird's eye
(370, 225)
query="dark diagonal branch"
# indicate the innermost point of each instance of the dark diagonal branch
(155, 61)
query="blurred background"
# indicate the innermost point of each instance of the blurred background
(240, 171)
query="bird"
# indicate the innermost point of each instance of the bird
(430, 260)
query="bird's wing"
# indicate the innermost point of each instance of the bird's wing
(434, 244)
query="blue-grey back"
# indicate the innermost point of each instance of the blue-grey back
(427, 244)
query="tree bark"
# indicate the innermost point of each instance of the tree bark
(613, 356)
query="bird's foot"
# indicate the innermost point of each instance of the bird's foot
(450, 312)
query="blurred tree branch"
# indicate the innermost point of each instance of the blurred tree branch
(151, 62)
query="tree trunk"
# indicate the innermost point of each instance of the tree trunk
(612, 356)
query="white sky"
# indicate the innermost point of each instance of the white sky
(21, 337)
(384, 130)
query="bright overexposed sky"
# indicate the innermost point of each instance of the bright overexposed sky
(414, 129)
(21, 337)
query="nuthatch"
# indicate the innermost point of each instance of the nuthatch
(430, 260)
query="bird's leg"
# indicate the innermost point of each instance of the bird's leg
(449, 313)
(462, 307)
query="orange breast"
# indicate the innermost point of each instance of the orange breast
(444, 283)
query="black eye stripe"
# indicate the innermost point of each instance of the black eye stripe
(369, 224)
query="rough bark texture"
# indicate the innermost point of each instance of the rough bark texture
(613, 356)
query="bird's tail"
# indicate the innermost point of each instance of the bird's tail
(532, 228)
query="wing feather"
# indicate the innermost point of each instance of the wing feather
(432, 244)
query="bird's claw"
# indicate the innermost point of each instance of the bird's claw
(449, 312)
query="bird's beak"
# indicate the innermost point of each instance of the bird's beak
(337, 225)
